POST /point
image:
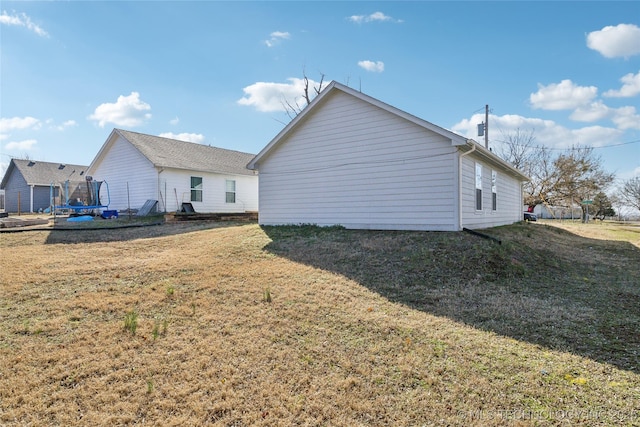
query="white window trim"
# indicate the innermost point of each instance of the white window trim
(478, 186)
(192, 189)
(494, 190)
(227, 192)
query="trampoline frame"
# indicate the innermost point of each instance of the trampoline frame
(93, 193)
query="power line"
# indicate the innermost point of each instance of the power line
(570, 148)
(618, 145)
(356, 163)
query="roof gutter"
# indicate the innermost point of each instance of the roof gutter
(473, 148)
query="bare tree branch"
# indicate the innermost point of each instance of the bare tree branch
(293, 110)
(630, 192)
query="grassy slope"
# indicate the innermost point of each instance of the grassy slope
(364, 328)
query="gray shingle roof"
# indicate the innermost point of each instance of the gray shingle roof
(44, 173)
(171, 153)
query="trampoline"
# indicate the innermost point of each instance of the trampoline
(79, 197)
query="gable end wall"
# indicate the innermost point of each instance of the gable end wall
(14, 185)
(353, 164)
(123, 165)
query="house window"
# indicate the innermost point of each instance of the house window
(196, 189)
(231, 191)
(478, 187)
(494, 190)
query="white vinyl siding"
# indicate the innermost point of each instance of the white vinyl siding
(126, 170)
(175, 189)
(508, 204)
(126, 166)
(359, 166)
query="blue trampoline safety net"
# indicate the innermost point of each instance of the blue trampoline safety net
(80, 195)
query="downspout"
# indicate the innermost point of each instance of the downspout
(164, 208)
(473, 148)
(31, 198)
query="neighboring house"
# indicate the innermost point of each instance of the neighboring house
(556, 212)
(351, 160)
(139, 167)
(27, 183)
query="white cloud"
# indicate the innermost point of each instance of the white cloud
(623, 117)
(3, 167)
(276, 37)
(189, 137)
(25, 145)
(630, 87)
(22, 20)
(594, 136)
(174, 121)
(546, 132)
(626, 118)
(377, 66)
(632, 174)
(127, 111)
(562, 96)
(591, 113)
(270, 97)
(65, 125)
(623, 40)
(374, 17)
(17, 123)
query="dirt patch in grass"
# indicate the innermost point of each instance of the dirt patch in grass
(360, 328)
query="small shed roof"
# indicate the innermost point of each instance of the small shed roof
(43, 173)
(171, 153)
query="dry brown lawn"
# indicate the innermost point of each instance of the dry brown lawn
(242, 325)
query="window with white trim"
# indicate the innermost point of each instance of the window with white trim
(478, 187)
(196, 188)
(494, 190)
(230, 193)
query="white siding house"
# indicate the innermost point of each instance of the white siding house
(348, 159)
(140, 167)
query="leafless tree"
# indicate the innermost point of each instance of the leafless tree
(519, 149)
(539, 167)
(630, 192)
(562, 180)
(578, 175)
(293, 108)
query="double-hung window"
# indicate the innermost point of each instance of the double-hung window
(196, 188)
(494, 190)
(478, 187)
(230, 193)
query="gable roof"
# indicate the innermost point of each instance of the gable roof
(43, 173)
(465, 144)
(172, 153)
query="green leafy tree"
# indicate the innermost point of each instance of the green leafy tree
(602, 207)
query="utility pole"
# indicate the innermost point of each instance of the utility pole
(486, 126)
(483, 128)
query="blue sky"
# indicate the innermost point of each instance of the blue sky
(217, 72)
